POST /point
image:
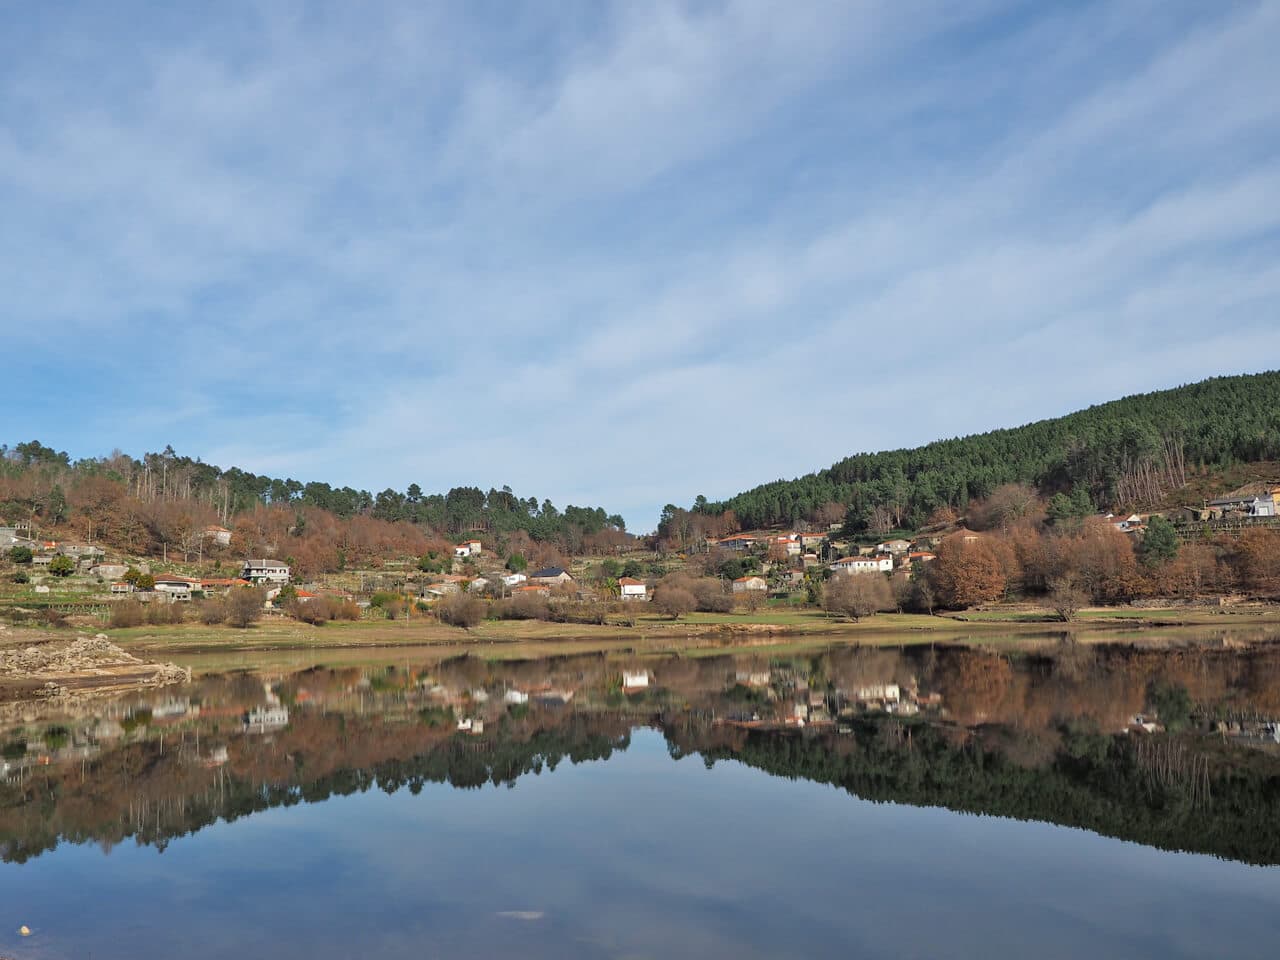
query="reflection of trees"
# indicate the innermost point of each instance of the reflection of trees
(1163, 794)
(1018, 737)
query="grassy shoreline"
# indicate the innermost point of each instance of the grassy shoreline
(696, 633)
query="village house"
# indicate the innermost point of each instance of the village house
(265, 571)
(1251, 500)
(632, 589)
(121, 587)
(809, 560)
(894, 547)
(1125, 524)
(880, 563)
(80, 551)
(109, 571)
(219, 535)
(222, 584)
(921, 556)
(810, 540)
(533, 589)
(550, 577)
(468, 548)
(750, 585)
(739, 543)
(514, 579)
(788, 543)
(175, 588)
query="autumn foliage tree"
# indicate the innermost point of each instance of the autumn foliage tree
(969, 571)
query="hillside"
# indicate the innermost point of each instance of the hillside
(164, 504)
(1132, 451)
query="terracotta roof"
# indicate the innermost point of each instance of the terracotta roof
(753, 576)
(630, 582)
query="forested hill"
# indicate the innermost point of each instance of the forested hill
(45, 485)
(1143, 444)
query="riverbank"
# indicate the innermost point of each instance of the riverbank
(278, 643)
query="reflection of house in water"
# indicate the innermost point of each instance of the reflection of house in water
(635, 680)
(882, 692)
(515, 697)
(173, 708)
(217, 757)
(752, 678)
(471, 725)
(266, 719)
(549, 697)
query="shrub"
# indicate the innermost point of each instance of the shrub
(461, 610)
(711, 595)
(127, 613)
(20, 554)
(526, 606)
(21, 576)
(54, 618)
(62, 566)
(674, 601)
(244, 606)
(160, 613)
(212, 611)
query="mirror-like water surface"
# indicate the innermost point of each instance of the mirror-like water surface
(885, 803)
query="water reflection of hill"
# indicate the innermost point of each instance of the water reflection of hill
(1075, 738)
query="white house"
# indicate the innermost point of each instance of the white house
(219, 535)
(880, 563)
(894, 547)
(788, 543)
(468, 548)
(265, 571)
(514, 579)
(174, 588)
(750, 584)
(633, 589)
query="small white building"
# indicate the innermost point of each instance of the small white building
(894, 547)
(514, 579)
(879, 563)
(632, 589)
(750, 584)
(468, 548)
(174, 588)
(219, 535)
(265, 571)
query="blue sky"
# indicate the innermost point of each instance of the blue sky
(621, 254)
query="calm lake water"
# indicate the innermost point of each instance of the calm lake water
(914, 803)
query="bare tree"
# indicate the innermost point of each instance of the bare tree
(244, 606)
(674, 601)
(857, 595)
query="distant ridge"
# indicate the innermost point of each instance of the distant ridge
(1212, 423)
